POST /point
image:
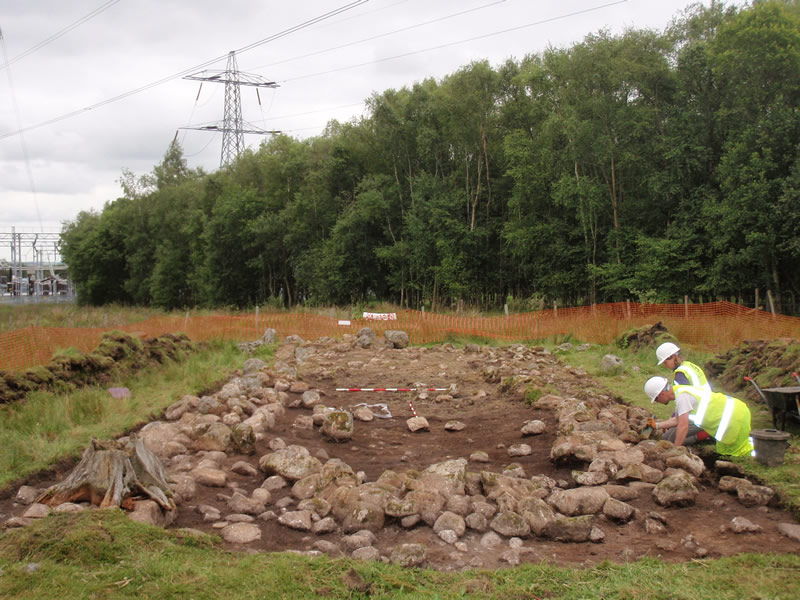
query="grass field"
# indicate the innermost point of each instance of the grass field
(102, 554)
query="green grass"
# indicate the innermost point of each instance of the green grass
(102, 554)
(46, 427)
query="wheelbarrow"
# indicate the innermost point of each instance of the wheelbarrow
(783, 402)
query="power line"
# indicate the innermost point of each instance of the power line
(149, 86)
(464, 41)
(60, 33)
(381, 35)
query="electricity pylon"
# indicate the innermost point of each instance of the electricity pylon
(233, 127)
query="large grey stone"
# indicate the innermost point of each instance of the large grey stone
(248, 506)
(510, 524)
(408, 555)
(675, 490)
(452, 521)
(570, 529)
(298, 519)
(241, 533)
(212, 436)
(291, 463)
(398, 339)
(618, 510)
(338, 426)
(579, 501)
(537, 513)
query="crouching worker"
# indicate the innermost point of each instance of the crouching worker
(725, 418)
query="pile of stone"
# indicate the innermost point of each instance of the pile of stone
(612, 466)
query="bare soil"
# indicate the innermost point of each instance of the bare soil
(492, 424)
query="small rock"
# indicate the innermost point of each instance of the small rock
(491, 540)
(596, 535)
(328, 548)
(239, 518)
(36, 511)
(303, 423)
(310, 398)
(790, 530)
(364, 413)
(366, 553)
(416, 424)
(519, 450)
(69, 507)
(359, 539)
(210, 477)
(534, 427)
(276, 444)
(454, 426)
(410, 521)
(448, 535)
(479, 456)
(244, 468)
(241, 533)
(275, 482)
(299, 519)
(26, 495)
(326, 525)
(408, 555)
(511, 557)
(742, 525)
(15, 522)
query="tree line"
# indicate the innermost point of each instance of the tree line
(646, 166)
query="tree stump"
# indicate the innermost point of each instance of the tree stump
(113, 474)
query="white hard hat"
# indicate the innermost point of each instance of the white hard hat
(654, 386)
(665, 350)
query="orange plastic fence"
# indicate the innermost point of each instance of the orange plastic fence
(715, 326)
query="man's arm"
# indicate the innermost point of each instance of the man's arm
(683, 429)
(668, 424)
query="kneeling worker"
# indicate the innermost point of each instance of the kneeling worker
(725, 418)
(683, 373)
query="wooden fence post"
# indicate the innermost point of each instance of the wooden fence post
(771, 303)
(686, 306)
(185, 321)
(555, 308)
(628, 309)
(505, 308)
(256, 318)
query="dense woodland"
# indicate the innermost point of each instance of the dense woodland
(645, 166)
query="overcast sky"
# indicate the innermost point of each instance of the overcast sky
(77, 136)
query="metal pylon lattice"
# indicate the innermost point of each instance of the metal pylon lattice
(232, 136)
(233, 127)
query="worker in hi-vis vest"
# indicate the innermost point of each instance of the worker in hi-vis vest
(725, 418)
(683, 373)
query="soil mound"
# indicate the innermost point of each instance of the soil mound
(117, 353)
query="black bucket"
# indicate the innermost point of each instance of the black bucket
(770, 446)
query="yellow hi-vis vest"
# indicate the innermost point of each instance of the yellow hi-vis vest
(724, 417)
(694, 374)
